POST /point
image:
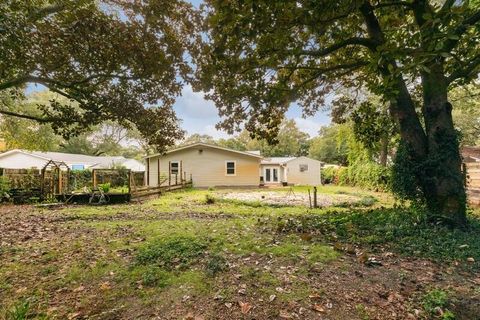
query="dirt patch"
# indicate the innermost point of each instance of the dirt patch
(290, 198)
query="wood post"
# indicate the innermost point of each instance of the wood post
(169, 173)
(181, 170)
(158, 173)
(148, 171)
(129, 181)
(315, 204)
(94, 179)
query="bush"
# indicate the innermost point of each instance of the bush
(364, 174)
(328, 175)
(209, 199)
(105, 187)
(4, 188)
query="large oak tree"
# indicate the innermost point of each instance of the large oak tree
(120, 60)
(262, 55)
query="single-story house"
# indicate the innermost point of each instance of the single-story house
(209, 166)
(23, 159)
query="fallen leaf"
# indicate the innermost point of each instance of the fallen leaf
(81, 288)
(285, 315)
(272, 297)
(470, 259)
(228, 305)
(245, 307)
(318, 308)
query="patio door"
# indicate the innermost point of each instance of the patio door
(271, 175)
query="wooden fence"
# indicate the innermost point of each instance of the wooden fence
(165, 183)
(472, 182)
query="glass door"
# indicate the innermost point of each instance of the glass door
(271, 175)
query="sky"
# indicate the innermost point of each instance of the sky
(200, 116)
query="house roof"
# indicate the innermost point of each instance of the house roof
(97, 162)
(277, 160)
(202, 144)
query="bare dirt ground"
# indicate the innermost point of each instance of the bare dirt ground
(71, 264)
(291, 198)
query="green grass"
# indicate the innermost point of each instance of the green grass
(193, 242)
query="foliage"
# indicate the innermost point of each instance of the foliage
(466, 113)
(4, 188)
(437, 299)
(105, 187)
(259, 57)
(210, 199)
(330, 146)
(328, 175)
(80, 178)
(404, 231)
(62, 46)
(173, 252)
(216, 264)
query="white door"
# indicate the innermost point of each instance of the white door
(271, 175)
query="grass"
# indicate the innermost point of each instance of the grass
(152, 256)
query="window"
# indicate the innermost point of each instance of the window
(230, 168)
(174, 167)
(303, 167)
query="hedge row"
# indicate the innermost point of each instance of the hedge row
(368, 175)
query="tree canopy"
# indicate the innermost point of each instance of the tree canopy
(259, 56)
(111, 59)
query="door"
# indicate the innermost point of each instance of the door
(271, 175)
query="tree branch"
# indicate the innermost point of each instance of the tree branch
(461, 29)
(467, 71)
(24, 116)
(342, 44)
(393, 4)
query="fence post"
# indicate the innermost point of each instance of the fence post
(315, 205)
(94, 179)
(169, 173)
(129, 181)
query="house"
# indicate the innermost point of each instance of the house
(470, 154)
(209, 165)
(23, 159)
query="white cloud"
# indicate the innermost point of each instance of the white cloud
(193, 105)
(308, 125)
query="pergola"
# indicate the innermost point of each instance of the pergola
(53, 183)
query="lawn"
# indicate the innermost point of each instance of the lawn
(203, 254)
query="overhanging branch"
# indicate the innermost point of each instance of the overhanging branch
(25, 116)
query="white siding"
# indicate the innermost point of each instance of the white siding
(207, 167)
(310, 177)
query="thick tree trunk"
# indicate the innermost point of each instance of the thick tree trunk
(442, 181)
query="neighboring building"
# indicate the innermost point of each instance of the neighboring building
(210, 165)
(470, 154)
(22, 159)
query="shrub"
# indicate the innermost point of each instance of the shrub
(216, 264)
(4, 188)
(434, 300)
(328, 175)
(209, 199)
(364, 174)
(172, 252)
(105, 187)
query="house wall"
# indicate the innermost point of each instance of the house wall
(208, 168)
(309, 177)
(21, 161)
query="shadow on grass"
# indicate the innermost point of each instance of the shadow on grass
(399, 230)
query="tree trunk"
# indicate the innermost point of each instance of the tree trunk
(384, 150)
(442, 181)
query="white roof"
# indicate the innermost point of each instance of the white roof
(206, 145)
(277, 160)
(94, 162)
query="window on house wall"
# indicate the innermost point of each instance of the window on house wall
(230, 167)
(303, 167)
(174, 167)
